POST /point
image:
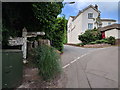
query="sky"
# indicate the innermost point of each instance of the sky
(108, 9)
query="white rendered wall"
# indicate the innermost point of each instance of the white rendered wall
(114, 32)
(85, 19)
(105, 23)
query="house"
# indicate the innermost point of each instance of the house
(111, 30)
(106, 22)
(85, 20)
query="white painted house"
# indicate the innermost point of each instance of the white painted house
(106, 22)
(85, 20)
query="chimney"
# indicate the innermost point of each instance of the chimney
(96, 6)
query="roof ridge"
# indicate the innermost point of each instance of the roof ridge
(81, 11)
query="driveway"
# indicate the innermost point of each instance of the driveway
(90, 67)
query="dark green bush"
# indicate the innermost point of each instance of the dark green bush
(90, 36)
(59, 33)
(104, 41)
(93, 42)
(98, 41)
(48, 62)
(111, 40)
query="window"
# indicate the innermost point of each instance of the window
(90, 15)
(90, 25)
(109, 23)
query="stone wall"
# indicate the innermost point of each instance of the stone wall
(117, 42)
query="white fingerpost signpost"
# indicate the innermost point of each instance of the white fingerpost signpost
(23, 40)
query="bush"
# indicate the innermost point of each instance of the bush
(59, 34)
(90, 36)
(111, 40)
(104, 41)
(92, 43)
(48, 62)
(98, 41)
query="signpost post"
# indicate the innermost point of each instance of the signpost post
(23, 40)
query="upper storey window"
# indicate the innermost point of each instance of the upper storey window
(90, 15)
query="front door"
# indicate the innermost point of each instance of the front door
(103, 34)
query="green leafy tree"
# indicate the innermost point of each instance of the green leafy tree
(59, 33)
(111, 40)
(90, 36)
(37, 16)
(47, 13)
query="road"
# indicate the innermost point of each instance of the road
(90, 67)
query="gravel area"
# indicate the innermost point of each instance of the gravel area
(31, 79)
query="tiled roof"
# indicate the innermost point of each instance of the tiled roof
(113, 26)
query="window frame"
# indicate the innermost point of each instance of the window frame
(90, 26)
(89, 14)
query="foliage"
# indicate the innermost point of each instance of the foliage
(99, 41)
(47, 13)
(5, 37)
(65, 29)
(111, 40)
(47, 61)
(35, 16)
(89, 36)
(59, 33)
(16, 16)
(93, 42)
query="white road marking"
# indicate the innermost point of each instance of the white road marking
(81, 57)
(66, 66)
(73, 61)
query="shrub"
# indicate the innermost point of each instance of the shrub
(98, 41)
(104, 41)
(59, 34)
(48, 62)
(92, 43)
(90, 36)
(111, 40)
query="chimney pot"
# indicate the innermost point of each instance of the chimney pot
(96, 6)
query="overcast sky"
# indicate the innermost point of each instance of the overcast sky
(109, 9)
